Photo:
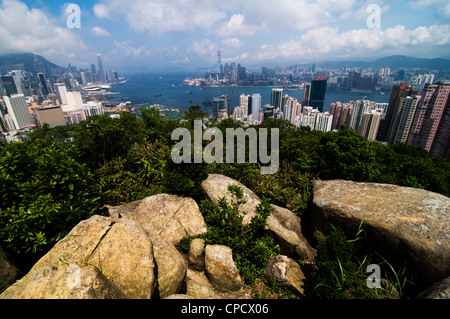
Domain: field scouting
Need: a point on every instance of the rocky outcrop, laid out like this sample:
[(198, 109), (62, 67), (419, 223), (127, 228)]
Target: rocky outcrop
[(400, 223), (168, 216), (286, 271), (220, 268), (7, 270), (284, 225), (64, 282)]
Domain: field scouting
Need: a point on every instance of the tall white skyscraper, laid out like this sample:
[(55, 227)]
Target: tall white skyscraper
[(256, 106), (61, 92), (101, 71), (18, 110)]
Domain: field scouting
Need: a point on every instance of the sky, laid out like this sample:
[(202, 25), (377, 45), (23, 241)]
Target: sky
[(186, 34)]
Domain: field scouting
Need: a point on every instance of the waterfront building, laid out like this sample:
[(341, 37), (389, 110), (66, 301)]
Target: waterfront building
[(318, 92)]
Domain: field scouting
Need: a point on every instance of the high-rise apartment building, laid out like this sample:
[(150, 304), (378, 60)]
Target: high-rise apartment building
[(429, 129), (43, 84), (401, 124), (399, 91), (341, 114), (61, 92), (369, 125), (9, 85)]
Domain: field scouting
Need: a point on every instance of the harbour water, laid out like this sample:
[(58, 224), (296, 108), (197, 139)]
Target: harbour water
[(169, 89)]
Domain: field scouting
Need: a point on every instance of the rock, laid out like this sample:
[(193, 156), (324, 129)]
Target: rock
[(286, 271), (400, 223), (171, 267), (7, 270), (287, 229), (215, 186), (220, 268), (282, 223), (199, 287), (125, 256), (121, 251), (64, 282), (440, 290), (196, 257), (168, 216)]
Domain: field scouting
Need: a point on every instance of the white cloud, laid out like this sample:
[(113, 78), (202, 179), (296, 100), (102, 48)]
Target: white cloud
[(203, 47), (327, 43), (100, 32), (232, 43), (126, 49), (31, 30)]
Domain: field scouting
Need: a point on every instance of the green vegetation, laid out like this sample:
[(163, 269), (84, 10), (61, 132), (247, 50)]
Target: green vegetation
[(63, 175)]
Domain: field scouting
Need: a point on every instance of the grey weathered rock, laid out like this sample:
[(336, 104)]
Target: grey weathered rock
[(64, 282), (440, 290), (171, 267), (286, 271), (282, 223), (199, 287), (179, 296), (220, 268), (196, 257), (401, 223), (168, 216), (7, 270)]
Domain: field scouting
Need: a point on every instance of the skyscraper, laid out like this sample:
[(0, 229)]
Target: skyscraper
[(9, 85), (402, 122), (386, 125), (318, 91), (276, 98), (18, 110), (256, 106), (429, 129), (43, 84), (369, 125), (341, 114), (101, 72), (221, 104), (306, 95)]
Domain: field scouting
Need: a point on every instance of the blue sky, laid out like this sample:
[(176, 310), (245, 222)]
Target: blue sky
[(187, 33)]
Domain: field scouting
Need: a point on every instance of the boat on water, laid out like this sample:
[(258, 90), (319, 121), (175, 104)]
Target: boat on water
[(190, 92), (158, 95)]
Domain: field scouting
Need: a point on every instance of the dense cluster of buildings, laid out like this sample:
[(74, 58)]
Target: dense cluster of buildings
[(411, 117), (30, 99)]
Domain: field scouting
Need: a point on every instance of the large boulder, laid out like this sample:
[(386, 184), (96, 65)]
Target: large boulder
[(283, 224), (220, 268), (287, 272), (168, 216), (401, 223), (64, 282), (125, 255), (440, 290), (121, 252), (171, 267), (196, 257), (199, 287), (7, 270)]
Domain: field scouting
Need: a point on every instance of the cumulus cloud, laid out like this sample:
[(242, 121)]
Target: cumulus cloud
[(100, 32), (328, 43), (31, 30), (232, 43), (203, 47)]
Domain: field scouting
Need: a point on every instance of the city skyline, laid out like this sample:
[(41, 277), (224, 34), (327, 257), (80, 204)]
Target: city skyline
[(187, 34)]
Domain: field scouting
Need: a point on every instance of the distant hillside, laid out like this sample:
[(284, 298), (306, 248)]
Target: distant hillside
[(394, 62), (28, 60)]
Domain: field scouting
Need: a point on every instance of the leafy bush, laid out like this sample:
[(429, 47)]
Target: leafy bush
[(251, 248)]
